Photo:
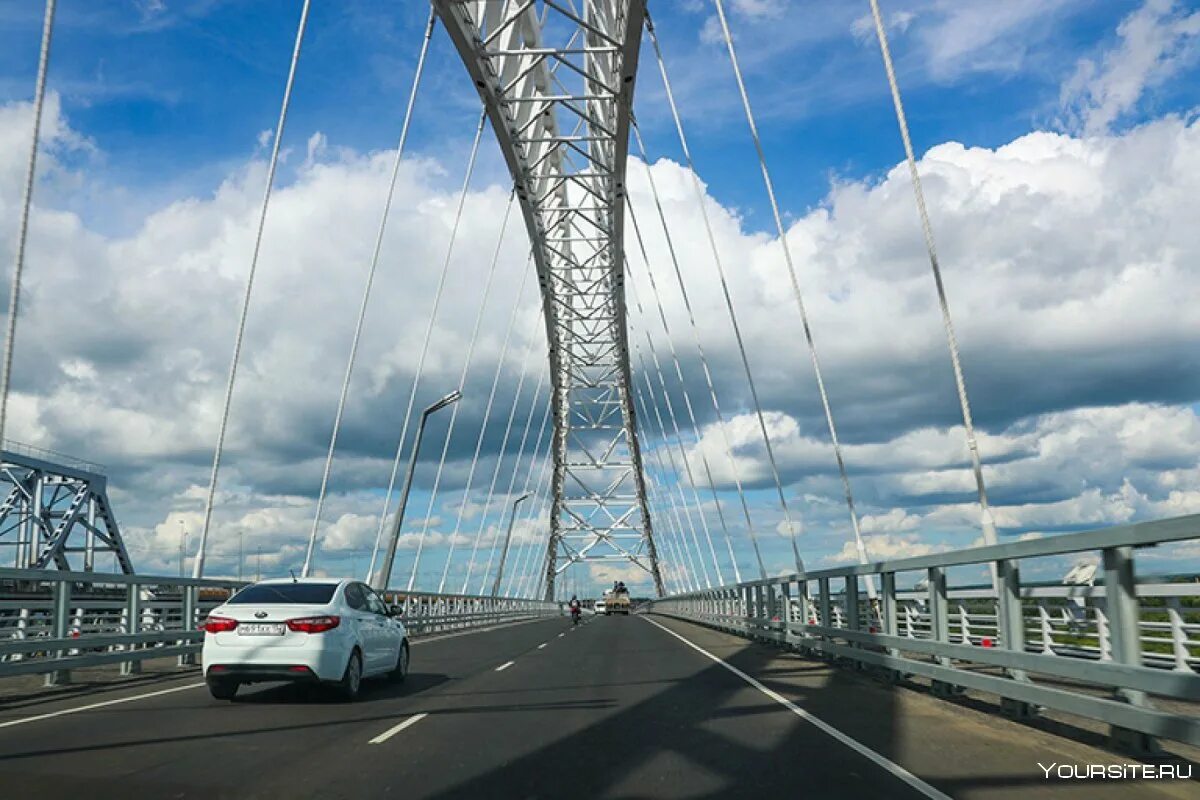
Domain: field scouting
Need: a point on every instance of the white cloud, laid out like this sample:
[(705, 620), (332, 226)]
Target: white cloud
[(1068, 263), (885, 547), (1157, 41)]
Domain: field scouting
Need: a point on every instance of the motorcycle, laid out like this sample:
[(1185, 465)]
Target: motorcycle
[(575, 616)]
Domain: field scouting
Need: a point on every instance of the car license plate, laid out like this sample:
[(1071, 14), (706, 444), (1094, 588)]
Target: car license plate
[(260, 629)]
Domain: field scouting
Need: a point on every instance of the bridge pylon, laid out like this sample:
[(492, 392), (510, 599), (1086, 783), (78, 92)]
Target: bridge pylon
[(557, 87)]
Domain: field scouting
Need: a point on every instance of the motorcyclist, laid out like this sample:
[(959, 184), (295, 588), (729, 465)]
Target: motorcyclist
[(576, 608)]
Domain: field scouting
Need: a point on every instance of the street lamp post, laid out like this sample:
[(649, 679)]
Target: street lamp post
[(507, 538), (182, 546), (385, 572)]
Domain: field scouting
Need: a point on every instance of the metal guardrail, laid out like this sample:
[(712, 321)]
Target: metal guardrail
[(1100, 652), (53, 456), (52, 622)]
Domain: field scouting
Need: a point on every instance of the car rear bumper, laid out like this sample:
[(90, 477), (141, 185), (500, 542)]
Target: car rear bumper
[(254, 673), (304, 663)]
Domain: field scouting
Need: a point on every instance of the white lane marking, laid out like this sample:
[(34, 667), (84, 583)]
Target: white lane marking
[(561, 635), (90, 706), (543, 644), (392, 731), (505, 666), (855, 745)]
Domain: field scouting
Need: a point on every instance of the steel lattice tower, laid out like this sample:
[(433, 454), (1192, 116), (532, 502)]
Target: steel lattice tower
[(557, 85)]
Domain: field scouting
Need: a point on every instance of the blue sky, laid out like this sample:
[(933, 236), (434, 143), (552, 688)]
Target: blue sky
[(175, 92), (161, 105)]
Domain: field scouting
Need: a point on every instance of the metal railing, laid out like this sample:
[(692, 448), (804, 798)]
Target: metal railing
[(52, 456), (52, 622), (1101, 652)]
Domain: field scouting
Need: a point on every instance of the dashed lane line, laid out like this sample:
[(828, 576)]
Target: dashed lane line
[(392, 731), (505, 666)]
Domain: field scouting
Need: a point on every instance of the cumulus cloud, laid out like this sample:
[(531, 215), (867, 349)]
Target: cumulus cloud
[(1156, 42), (1068, 264)]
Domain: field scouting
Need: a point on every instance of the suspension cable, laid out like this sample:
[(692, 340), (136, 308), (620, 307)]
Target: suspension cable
[(542, 498), (14, 296), (674, 426), (366, 297), (671, 410), (522, 555), (198, 567), (662, 467), (487, 414), (808, 334), (676, 542), (533, 404), (737, 331), (687, 400), (652, 402), (512, 412), (462, 383), (437, 300), (695, 330), (537, 442), (986, 521)]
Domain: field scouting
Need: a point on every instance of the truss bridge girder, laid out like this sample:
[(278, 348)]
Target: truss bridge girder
[(556, 80), (53, 511)]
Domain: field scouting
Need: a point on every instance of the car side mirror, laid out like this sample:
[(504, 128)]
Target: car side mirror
[(395, 611)]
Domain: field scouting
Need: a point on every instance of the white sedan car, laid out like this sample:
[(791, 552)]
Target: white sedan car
[(304, 631)]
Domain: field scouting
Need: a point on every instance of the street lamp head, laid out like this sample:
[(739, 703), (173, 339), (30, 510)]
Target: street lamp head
[(522, 497), (453, 397)]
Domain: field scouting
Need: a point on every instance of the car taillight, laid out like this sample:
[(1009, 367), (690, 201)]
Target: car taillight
[(313, 624), (219, 624)]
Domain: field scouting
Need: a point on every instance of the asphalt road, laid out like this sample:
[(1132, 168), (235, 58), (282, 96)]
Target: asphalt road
[(619, 707)]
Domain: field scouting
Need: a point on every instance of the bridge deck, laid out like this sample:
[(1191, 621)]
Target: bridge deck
[(616, 708)]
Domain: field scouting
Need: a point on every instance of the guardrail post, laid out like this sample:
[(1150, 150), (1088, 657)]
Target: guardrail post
[(1120, 598), (59, 626), (785, 613), (802, 610), (852, 621), (939, 627), (889, 620), (187, 620), (824, 604), (1010, 620), (133, 610)]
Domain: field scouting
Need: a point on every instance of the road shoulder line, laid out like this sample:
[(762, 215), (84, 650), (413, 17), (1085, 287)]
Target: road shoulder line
[(855, 745)]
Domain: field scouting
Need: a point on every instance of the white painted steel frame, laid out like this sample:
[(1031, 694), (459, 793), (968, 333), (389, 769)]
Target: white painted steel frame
[(564, 134)]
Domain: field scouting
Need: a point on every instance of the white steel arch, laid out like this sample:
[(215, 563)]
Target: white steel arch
[(557, 84)]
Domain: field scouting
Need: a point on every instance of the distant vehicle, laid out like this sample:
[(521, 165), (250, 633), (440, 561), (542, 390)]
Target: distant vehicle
[(599, 607), (617, 601), (313, 630)]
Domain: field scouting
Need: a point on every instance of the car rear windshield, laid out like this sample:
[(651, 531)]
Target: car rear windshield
[(307, 593)]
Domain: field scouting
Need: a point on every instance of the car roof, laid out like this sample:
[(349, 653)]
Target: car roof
[(305, 580)]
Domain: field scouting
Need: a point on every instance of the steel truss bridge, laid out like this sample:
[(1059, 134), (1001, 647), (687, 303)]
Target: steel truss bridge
[(892, 678)]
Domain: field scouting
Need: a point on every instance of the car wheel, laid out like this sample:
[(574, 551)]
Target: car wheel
[(401, 671), (351, 681), (223, 690)]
